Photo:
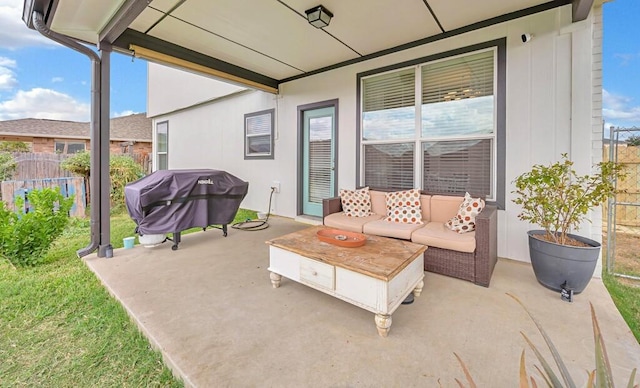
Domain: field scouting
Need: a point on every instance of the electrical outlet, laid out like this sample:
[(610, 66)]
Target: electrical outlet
[(276, 186)]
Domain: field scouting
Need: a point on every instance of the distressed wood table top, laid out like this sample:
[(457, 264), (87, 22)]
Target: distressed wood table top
[(379, 257)]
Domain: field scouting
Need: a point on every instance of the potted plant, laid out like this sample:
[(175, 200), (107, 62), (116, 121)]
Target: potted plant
[(557, 199)]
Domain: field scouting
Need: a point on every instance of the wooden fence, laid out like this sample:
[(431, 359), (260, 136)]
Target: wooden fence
[(70, 186), (32, 165), (629, 156)]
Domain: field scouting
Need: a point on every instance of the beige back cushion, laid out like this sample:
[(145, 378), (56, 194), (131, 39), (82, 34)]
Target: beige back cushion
[(425, 207), (378, 203), (444, 207)]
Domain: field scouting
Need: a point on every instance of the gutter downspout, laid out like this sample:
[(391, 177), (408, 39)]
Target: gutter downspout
[(40, 26)]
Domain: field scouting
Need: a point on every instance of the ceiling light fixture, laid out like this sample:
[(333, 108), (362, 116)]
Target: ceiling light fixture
[(319, 16)]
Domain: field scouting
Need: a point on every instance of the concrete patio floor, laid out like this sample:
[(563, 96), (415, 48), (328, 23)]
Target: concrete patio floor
[(209, 307)]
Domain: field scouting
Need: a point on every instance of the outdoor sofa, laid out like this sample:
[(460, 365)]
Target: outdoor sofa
[(469, 256)]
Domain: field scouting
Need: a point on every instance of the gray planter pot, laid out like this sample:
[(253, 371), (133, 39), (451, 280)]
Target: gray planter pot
[(555, 264)]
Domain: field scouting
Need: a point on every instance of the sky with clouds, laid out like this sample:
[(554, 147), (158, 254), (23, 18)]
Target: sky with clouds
[(41, 79), (621, 64)]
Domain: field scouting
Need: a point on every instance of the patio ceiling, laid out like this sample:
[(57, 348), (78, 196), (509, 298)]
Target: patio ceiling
[(268, 42)]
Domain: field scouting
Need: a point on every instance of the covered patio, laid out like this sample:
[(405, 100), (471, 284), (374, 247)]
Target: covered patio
[(209, 307)]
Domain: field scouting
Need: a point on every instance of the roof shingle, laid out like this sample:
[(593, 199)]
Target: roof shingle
[(135, 127)]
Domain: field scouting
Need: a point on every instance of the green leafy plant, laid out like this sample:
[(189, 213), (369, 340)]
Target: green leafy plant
[(556, 198), (26, 237), (601, 376), (122, 170), (14, 146), (79, 164), (633, 140), (7, 166)]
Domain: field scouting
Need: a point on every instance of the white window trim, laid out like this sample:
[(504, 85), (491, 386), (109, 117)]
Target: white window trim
[(418, 139), (260, 155)]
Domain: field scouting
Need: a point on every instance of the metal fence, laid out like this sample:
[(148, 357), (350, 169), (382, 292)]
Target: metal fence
[(622, 215)]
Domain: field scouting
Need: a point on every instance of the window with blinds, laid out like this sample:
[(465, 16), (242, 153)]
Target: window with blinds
[(258, 135), (389, 166), (389, 106), (456, 167), (457, 96), (162, 145), (448, 136)]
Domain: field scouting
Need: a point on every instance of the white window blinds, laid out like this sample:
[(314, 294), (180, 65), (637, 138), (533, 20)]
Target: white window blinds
[(389, 106)]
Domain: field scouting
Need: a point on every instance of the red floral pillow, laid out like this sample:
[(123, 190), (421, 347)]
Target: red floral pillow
[(404, 207), (465, 220)]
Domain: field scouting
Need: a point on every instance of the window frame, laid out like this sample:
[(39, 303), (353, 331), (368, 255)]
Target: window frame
[(246, 136), (66, 143), (498, 136), (157, 151)]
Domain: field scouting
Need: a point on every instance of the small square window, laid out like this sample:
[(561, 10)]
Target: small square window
[(258, 135)]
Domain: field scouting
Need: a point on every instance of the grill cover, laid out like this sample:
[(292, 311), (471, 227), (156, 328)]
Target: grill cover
[(169, 201)]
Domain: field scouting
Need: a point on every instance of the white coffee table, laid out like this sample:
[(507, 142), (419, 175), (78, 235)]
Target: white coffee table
[(376, 277)]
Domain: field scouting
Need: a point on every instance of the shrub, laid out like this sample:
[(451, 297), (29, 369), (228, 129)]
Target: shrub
[(633, 140), (122, 169), (14, 146), (25, 238), (7, 166), (79, 164), (556, 198)]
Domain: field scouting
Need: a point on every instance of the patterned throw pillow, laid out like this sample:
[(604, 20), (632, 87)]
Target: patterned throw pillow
[(404, 206), (465, 220), (356, 203)]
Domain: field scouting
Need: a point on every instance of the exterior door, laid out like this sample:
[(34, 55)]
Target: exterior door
[(318, 158)]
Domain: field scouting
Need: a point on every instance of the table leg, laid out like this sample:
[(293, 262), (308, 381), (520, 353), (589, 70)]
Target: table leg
[(275, 279), (383, 323), (418, 290)]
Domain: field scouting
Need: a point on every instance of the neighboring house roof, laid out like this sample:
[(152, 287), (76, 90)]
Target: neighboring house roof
[(136, 127)]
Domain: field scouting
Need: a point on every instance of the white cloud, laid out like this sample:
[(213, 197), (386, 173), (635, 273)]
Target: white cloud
[(14, 32), (44, 104), (620, 110), (124, 113), (57, 79), (626, 59), (8, 79)]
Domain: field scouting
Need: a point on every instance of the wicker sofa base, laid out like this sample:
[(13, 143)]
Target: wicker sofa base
[(476, 267), (459, 265)]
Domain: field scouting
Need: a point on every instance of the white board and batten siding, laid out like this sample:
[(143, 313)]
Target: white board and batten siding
[(552, 107)]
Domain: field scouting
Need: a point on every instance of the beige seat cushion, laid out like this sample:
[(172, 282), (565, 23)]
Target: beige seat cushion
[(391, 229), (436, 234), (344, 222)]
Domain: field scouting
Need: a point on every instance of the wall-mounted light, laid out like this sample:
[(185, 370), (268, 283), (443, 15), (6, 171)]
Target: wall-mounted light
[(526, 38), (319, 16)]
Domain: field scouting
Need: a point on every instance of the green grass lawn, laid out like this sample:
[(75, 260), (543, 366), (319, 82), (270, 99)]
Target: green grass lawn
[(59, 326), (626, 296)]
